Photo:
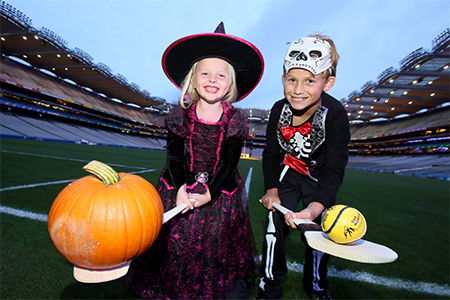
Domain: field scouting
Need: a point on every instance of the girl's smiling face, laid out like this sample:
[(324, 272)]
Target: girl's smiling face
[(303, 90), (212, 79)]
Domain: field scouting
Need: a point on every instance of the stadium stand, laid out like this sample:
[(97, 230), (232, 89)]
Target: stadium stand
[(399, 123), (425, 166), (40, 128)]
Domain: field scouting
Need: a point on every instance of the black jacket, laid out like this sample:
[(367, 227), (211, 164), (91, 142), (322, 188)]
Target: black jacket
[(329, 155)]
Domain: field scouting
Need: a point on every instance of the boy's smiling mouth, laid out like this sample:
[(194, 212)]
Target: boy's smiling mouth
[(298, 99)]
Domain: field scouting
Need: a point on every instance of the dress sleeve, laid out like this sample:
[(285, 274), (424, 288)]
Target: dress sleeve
[(237, 125), (272, 154), (331, 174), (175, 122), (230, 155), (176, 161)]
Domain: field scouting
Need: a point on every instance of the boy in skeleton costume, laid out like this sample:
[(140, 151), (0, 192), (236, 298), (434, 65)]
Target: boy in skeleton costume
[(304, 159)]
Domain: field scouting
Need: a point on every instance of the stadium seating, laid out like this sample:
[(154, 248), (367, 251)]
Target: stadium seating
[(426, 166), (27, 127), (37, 105)]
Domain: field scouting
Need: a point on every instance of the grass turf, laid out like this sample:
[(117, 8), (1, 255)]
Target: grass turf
[(410, 215)]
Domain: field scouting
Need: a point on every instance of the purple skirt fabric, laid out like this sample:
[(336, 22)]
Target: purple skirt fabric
[(206, 253)]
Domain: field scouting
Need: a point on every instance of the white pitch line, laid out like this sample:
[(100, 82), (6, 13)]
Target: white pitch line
[(249, 179), (65, 158), (398, 284), (23, 214), (26, 186), (143, 171), (418, 287)]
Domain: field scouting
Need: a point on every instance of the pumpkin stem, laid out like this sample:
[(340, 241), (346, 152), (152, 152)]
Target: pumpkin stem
[(104, 172)]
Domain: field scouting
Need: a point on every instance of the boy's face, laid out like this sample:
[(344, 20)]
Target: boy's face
[(303, 89)]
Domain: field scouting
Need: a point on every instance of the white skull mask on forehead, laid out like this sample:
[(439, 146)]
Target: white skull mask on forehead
[(309, 53)]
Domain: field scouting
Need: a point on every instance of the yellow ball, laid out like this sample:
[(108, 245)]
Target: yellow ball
[(344, 224)]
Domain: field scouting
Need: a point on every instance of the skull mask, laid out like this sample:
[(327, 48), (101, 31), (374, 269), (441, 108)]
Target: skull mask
[(309, 53)]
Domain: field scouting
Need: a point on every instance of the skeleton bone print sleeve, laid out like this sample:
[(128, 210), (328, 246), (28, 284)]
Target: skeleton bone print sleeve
[(273, 154)]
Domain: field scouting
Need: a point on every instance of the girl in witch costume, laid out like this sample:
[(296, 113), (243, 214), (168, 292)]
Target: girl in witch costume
[(207, 252)]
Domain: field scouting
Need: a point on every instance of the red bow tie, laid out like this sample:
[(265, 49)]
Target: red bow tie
[(289, 131)]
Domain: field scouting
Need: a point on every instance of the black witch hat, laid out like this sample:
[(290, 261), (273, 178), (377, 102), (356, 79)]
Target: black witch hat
[(246, 59)]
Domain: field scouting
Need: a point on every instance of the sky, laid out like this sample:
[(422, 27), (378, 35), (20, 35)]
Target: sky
[(130, 36)]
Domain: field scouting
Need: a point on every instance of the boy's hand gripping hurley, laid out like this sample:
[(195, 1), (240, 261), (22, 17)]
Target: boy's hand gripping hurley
[(360, 251)]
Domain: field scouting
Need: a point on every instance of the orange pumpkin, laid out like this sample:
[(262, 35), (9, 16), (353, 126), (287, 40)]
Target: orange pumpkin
[(102, 221)]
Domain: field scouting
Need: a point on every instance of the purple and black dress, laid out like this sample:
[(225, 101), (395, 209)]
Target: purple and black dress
[(208, 252)]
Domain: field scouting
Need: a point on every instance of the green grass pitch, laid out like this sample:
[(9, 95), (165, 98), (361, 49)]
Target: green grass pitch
[(409, 215)]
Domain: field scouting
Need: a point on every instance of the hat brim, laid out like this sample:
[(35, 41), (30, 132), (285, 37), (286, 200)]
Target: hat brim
[(246, 59)]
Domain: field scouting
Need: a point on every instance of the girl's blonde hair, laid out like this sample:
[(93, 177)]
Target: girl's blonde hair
[(189, 95)]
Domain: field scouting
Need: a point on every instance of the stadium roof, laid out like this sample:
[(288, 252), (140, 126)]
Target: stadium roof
[(422, 81), (45, 50)]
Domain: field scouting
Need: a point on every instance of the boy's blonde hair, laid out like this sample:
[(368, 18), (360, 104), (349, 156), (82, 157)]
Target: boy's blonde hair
[(334, 55), (189, 95)]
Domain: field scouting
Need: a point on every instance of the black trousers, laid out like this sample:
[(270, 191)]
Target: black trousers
[(294, 187)]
